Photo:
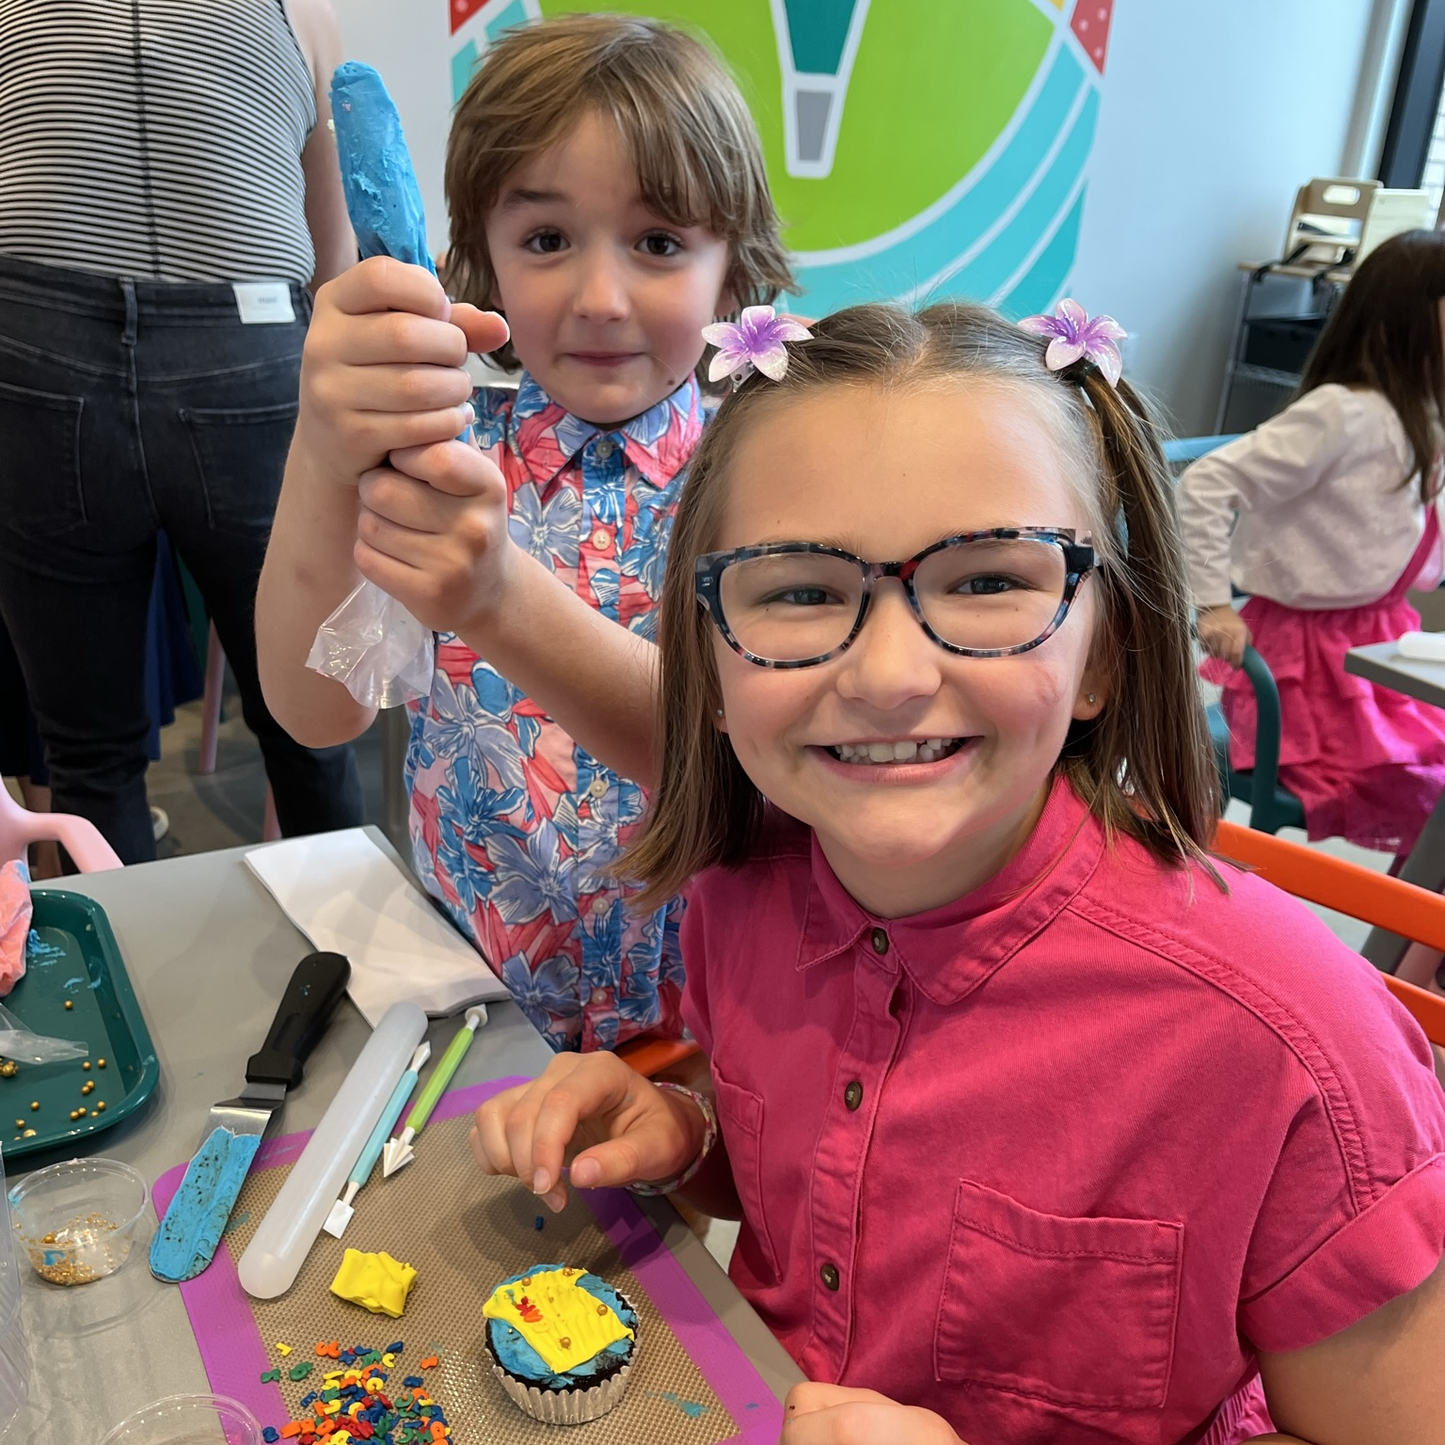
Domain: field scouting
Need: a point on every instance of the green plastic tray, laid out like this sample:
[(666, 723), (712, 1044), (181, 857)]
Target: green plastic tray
[(77, 959)]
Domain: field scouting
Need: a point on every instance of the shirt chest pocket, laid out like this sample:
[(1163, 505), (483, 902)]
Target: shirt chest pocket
[(1078, 1312), (740, 1117)]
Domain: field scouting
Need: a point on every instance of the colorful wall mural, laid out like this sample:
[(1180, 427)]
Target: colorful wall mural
[(916, 148)]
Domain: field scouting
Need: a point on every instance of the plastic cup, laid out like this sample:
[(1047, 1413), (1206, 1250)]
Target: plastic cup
[(188, 1420), (76, 1221), (14, 1356)]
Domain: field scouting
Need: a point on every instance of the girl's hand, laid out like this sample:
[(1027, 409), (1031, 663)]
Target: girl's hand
[(382, 366), (1223, 633), (836, 1415), (613, 1125), (432, 532)]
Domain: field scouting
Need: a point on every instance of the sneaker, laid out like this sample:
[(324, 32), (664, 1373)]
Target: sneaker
[(160, 822)]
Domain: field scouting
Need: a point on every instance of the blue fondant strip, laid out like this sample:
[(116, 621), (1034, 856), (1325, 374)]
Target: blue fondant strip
[(187, 1237)]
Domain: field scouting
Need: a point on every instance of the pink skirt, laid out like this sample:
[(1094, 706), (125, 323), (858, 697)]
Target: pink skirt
[(1366, 762)]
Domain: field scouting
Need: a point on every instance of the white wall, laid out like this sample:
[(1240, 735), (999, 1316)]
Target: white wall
[(1212, 116)]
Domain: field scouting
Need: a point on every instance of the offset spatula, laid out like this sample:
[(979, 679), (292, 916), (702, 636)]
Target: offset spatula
[(187, 1238)]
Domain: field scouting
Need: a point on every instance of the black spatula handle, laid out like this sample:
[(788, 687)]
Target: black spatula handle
[(306, 1007)]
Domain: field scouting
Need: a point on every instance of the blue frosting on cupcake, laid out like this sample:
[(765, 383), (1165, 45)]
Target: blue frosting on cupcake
[(518, 1358)]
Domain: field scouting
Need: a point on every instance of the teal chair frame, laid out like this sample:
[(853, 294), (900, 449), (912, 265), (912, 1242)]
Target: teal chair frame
[(1271, 807)]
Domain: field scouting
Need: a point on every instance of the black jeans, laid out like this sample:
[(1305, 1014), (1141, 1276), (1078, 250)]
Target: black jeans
[(127, 406)]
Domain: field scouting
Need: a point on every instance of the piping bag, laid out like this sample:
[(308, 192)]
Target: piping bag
[(371, 644), (285, 1236)]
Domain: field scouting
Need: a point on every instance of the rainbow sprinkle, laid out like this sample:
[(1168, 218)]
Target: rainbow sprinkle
[(353, 1405)]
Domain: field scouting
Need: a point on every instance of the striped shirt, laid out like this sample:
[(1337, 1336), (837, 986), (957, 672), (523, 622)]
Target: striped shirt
[(155, 138)]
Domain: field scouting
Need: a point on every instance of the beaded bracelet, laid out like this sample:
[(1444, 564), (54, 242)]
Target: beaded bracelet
[(709, 1138)]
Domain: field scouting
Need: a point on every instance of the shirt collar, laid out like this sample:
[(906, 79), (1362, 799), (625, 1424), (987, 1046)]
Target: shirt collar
[(949, 951), (658, 443)]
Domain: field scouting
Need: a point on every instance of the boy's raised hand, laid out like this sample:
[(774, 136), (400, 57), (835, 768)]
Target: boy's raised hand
[(610, 1121), (382, 367), (837, 1415)]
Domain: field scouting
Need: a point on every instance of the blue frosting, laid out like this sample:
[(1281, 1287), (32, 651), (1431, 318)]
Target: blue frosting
[(518, 1358), (383, 199), (188, 1235)]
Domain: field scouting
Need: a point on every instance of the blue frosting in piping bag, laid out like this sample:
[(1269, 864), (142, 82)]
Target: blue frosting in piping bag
[(382, 196)]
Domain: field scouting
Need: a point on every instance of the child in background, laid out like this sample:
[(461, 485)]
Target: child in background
[(1040, 1123), (607, 196), (1338, 517)]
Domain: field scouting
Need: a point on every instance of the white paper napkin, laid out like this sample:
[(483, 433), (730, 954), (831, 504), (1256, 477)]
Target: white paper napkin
[(348, 897)]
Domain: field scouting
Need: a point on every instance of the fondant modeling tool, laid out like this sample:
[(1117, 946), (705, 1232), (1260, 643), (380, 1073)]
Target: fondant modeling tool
[(187, 1237), (342, 1211), (398, 1152), (285, 1236)]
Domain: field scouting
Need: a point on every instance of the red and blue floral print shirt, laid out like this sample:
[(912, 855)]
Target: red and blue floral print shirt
[(513, 825)]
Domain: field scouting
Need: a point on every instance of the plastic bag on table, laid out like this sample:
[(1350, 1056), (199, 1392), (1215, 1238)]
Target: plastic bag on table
[(25, 1047), (375, 648)]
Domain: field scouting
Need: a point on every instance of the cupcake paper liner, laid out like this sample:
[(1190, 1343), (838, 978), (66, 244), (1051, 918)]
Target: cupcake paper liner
[(566, 1407)]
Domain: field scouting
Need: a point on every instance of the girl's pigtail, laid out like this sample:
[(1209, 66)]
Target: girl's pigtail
[(1146, 765)]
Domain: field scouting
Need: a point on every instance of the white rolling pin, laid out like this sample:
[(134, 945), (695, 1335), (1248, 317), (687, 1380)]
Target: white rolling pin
[(1423, 646), (280, 1246)]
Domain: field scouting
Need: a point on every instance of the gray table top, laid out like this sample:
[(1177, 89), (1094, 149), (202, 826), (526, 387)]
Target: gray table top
[(1381, 662), (209, 953)]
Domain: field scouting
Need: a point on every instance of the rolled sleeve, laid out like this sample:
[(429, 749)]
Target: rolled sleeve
[(1380, 1254)]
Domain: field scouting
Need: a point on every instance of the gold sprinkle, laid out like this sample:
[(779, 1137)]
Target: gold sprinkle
[(100, 1106), (9, 1069), (100, 1063), (74, 1115), (87, 1086), (86, 1066), (69, 1003), (34, 1104), (565, 1342), (28, 1134), (20, 1123), (601, 1309)]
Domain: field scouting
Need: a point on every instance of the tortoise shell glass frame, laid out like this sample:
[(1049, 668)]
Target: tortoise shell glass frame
[(1079, 560)]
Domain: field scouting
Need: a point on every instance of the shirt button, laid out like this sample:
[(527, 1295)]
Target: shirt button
[(601, 539), (853, 1095), (597, 788), (601, 904), (599, 995), (829, 1274), (605, 448), (880, 941)]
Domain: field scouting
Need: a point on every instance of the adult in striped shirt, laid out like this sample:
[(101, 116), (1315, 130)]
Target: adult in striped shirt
[(169, 197)]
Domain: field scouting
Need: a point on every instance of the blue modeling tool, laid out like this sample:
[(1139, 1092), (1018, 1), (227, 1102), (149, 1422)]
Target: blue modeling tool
[(342, 1211)]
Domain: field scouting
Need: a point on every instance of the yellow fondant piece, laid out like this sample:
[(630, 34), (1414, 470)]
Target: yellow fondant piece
[(376, 1282), (567, 1314)]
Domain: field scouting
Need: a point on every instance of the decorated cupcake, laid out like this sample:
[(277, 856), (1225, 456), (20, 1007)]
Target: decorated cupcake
[(562, 1342)]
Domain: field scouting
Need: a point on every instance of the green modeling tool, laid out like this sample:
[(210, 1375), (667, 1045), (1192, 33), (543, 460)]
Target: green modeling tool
[(398, 1152)]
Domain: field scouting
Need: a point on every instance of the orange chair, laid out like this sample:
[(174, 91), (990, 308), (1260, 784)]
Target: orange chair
[(652, 1056), (1373, 898)]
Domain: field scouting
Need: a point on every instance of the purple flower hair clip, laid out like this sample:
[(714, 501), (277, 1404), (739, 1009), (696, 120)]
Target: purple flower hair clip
[(753, 342), (1075, 336)]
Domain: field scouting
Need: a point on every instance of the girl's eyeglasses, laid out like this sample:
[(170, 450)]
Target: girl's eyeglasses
[(979, 594)]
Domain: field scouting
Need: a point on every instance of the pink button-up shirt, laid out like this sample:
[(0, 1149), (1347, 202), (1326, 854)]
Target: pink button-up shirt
[(1054, 1160)]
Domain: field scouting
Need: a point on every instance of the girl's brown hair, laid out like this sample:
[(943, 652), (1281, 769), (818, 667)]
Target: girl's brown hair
[(1385, 335), (686, 127), (1143, 766)]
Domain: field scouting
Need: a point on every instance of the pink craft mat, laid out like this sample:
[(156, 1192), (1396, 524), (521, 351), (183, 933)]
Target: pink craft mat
[(235, 1355)]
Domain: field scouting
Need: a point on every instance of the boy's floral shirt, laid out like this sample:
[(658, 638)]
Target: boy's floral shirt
[(513, 826)]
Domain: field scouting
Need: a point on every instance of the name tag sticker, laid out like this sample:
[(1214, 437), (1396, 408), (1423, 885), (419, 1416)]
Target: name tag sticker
[(261, 301)]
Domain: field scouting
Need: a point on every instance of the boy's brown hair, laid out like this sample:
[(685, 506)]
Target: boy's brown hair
[(685, 124), (1144, 766)]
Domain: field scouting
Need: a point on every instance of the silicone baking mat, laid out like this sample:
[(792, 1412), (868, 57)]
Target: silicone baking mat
[(464, 1232)]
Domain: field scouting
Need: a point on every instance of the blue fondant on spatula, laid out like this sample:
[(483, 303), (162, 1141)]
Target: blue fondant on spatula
[(187, 1237)]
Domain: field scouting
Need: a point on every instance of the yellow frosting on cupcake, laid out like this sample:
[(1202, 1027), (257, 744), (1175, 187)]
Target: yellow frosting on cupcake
[(564, 1324)]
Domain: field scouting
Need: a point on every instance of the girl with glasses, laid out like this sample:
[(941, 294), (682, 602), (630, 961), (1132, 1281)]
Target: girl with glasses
[(1042, 1125)]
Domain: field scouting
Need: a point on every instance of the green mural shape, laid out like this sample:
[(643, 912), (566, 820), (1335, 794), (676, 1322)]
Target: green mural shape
[(934, 84)]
